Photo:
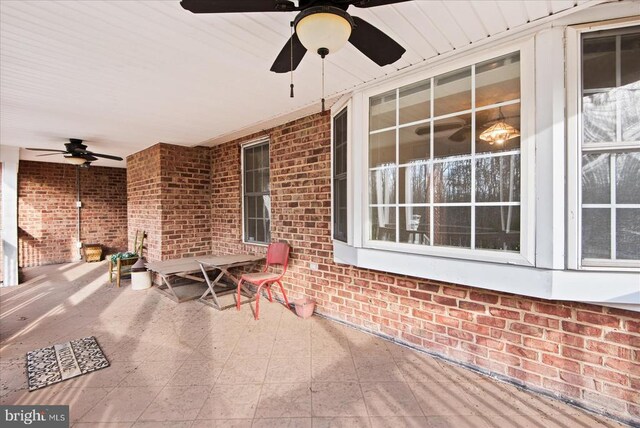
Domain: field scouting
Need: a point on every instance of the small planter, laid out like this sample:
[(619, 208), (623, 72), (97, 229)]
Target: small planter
[(304, 307)]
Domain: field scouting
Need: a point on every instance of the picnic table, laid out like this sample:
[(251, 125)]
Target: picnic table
[(203, 288)]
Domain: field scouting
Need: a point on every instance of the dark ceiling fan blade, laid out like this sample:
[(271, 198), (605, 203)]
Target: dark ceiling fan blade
[(230, 6), (282, 64), (100, 155), (375, 44), (374, 3), (47, 150), (51, 154)]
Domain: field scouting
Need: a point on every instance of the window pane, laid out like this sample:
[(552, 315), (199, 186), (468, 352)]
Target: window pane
[(249, 156), (599, 62), (452, 136), (340, 209), (498, 179), (414, 184), (628, 178), (382, 186), (452, 181), (340, 143), (498, 80), (599, 117), (630, 58), (509, 115), (596, 179), (414, 225), (628, 234), (596, 233), (248, 182), (452, 226), (629, 99), (498, 228), (415, 102), (414, 143), (453, 92), (382, 149), (383, 223), (382, 111)]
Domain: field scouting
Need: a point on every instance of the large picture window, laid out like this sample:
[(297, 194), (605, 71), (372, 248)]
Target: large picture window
[(610, 136), (256, 193), (444, 160)]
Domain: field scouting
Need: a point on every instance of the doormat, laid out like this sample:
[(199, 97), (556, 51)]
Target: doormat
[(60, 362)]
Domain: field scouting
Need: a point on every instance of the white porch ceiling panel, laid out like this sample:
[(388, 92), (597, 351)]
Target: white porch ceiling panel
[(124, 75)]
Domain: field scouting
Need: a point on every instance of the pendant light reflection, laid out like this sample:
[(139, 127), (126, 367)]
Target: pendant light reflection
[(499, 132)]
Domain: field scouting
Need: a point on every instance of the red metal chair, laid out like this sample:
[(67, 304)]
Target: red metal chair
[(277, 254)]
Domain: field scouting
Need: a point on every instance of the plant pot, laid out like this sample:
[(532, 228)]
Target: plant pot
[(304, 307)]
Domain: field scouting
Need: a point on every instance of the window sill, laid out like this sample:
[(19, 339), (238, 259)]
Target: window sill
[(582, 286)]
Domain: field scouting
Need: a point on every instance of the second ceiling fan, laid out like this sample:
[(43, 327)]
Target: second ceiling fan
[(322, 26)]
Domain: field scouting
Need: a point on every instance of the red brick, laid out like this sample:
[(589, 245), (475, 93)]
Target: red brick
[(491, 321), (562, 387), (628, 367), (447, 301), (561, 363), (580, 355), (483, 297), (521, 352), (623, 339), (454, 291), (541, 345), (539, 369), (606, 375), (489, 343), (578, 380), (529, 330), (47, 211), (470, 306), (504, 313), (632, 326), (582, 329), (555, 310), (526, 377), (598, 319), (542, 321), (608, 349)]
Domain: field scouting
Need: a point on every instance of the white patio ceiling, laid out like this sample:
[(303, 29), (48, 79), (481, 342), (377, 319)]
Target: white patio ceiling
[(127, 74)]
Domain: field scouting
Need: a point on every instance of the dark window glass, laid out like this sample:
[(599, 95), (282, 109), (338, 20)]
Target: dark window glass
[(257, 197), (340, 176)]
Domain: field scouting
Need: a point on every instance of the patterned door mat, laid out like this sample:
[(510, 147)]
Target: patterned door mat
[(60, 362)]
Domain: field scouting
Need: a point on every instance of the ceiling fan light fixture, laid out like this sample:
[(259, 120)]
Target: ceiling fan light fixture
[(75, 160), (323, 28), (499, 133)]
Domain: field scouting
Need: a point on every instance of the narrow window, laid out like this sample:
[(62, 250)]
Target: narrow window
[(340, 176), (610, 135), (256, 193)]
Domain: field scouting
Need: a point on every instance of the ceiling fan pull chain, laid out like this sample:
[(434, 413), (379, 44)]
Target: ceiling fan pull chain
[(291, 57)]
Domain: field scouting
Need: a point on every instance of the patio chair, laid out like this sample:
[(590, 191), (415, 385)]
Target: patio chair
[(120, 263), (277, 254)]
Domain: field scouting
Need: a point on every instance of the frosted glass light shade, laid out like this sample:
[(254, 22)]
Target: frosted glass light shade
[(75, 160), (323, 30)]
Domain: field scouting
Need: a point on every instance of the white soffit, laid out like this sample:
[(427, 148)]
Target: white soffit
[(124, 75)]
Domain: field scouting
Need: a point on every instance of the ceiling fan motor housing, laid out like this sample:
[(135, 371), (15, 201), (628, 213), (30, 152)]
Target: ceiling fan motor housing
[(323, 29)]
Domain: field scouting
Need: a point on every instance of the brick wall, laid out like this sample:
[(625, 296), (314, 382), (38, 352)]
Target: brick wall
[(144, 200), (170, 199), (47, 213), (585, 353)]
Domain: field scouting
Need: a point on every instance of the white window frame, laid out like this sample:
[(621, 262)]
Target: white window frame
[(343, 103), (574, 147), (244, 146), (526, 256)]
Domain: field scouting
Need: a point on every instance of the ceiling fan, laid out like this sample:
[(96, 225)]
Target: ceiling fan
[(76, 153), (322, 26)]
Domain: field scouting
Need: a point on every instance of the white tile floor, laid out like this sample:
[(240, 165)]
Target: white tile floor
[(189, 365)]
